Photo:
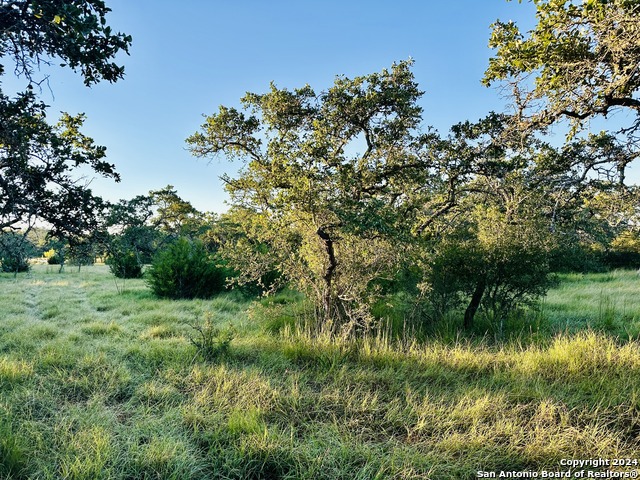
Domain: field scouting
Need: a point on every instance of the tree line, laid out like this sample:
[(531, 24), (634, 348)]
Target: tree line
[(345, 193)]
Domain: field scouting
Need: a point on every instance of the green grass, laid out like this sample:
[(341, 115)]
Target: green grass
[(97, 382), (607, 302)]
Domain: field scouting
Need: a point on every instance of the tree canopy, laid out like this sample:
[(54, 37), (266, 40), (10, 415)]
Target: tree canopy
[(327, 175), (581, 60), (38, 160), (72, 31), (341, 189), (174, 215)]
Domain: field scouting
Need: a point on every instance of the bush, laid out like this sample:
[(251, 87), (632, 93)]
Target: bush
[(124, 264), (15, 251), (186, 270), (52, 256), (270, 282), (211, 342), (624, 251), (14, 263), (570, 256), (497, 263)]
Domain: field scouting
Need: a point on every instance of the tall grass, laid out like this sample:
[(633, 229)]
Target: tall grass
[(96, 383)]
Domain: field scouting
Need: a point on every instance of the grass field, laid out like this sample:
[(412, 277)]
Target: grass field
[(99, 380)]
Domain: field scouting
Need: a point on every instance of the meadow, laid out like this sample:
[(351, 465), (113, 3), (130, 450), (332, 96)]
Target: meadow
[(100, 380)]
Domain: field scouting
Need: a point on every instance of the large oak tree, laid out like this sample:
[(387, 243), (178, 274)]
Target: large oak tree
[(328, 179)]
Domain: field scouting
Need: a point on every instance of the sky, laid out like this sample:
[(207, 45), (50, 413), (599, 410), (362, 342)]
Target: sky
[(192, 56)]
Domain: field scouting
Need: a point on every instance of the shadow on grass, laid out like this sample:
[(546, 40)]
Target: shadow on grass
[(470, 407)]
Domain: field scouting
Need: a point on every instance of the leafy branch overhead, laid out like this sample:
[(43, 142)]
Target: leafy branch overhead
[(39, 162), (582, 60), (35, 156), (74, 31)]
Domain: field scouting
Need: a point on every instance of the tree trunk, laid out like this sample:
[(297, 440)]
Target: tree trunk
[(476, 298), (328, 273)]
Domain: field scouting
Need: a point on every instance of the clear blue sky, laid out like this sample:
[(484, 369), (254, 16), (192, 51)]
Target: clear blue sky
[(191, 56)]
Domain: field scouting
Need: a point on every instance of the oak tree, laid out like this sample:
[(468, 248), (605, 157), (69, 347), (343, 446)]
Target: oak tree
[(507, 203), (175, 216), (38, 161), (327, 179), (580, 61)]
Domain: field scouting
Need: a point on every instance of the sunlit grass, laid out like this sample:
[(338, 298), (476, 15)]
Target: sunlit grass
[(608, 302), (99, 381), (13, 371)]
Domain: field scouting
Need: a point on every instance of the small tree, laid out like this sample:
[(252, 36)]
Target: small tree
[(130, 250), (82, 251), (174, 216), (496, 260), (509, 199), (15, 250), (123, 260), (130, 241)]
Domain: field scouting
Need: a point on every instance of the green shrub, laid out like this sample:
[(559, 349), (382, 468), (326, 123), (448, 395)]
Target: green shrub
[(495, 265), (186, 270), (14, 263), (624, 251), (124, 264), (621, 259), (15, 251), (52, 256), (211, 342), (271, 282), (571, 256)]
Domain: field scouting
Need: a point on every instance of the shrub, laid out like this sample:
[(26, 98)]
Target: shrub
[(15, 251), (624, 251), (186, 270), (125, 260), (575, 256), (211, 342), (124, 264), (14, 263), (497, 263), (269, 282), (53, 257)]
